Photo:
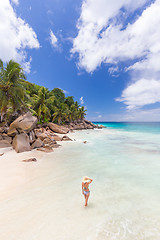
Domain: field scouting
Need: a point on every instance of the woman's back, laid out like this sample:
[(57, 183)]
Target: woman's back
[(85, 188), (85, 185)]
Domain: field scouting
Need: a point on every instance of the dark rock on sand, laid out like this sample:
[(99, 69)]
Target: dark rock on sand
[(66, 138), (40, 133), (12, 132), (56, 145), (7, 138), (30, 160), (57, 138), (45, 149), (37, 144), (89, 122), (32, 137), (49, 142), (58, 129), (23, 124), (90, 127), (3, 130), (42, 136), (21, 143), (4, 144), (80, 125)]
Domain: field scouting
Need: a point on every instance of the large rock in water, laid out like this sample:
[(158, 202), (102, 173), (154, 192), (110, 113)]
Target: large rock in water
[(100, 126), (21, 143), (23, 124), (58, 129)]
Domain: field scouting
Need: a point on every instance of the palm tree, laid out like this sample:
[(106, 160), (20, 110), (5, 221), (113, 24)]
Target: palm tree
[(81, 113), (42, 104), (12, 91), (61, 113), (69, 101), (76, 104), (72, 113), (59, 95)]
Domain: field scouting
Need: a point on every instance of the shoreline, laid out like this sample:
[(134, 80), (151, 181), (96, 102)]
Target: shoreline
[(21, 140), (14, 173), (47, 195)]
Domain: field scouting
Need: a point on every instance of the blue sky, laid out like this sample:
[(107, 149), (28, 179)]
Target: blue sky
[(104, 53)]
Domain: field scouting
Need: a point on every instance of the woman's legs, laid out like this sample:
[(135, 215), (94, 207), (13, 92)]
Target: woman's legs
[(86, 199)]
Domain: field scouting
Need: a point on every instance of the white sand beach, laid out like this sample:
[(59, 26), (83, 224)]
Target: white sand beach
[(42, 200), (15, 173)]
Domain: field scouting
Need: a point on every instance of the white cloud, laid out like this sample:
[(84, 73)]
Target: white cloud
[(26, 65), (53, 39), (81, 100), (141, 93), (140, 115), (113, 70), (15, 1), (149, 64), (101, 38), (105, 36), (65, 91), (49, 12), (99, 116), (16, 35)]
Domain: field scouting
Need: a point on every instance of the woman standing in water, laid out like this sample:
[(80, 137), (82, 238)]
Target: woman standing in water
[(85, 190)]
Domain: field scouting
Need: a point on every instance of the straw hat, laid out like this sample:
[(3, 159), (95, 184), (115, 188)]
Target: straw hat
[(85, 179)]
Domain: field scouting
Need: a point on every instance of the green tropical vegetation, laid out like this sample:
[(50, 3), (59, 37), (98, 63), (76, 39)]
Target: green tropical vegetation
[(18, 96)]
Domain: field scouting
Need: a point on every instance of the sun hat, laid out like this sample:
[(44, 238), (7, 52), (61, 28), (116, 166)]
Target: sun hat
[(85, 179)]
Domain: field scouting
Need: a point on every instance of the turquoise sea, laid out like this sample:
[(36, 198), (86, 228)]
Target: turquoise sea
[(124, 162), (152, 127)]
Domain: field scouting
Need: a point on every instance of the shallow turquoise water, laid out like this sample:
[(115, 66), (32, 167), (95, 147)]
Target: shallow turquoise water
[(124, 163), (152, 127)]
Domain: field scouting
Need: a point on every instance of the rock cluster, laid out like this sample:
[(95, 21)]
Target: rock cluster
[(24, 134), (82, 124)]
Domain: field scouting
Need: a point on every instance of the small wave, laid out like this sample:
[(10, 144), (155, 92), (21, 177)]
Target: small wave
[(125, 229)]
